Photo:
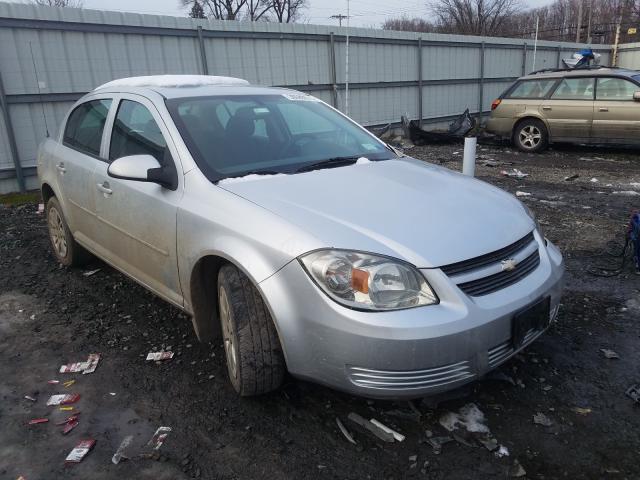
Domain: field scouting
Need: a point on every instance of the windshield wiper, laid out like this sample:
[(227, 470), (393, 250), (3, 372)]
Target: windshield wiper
[(329, 162)]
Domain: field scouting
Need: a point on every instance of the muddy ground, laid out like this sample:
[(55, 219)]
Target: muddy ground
[(50, 315)]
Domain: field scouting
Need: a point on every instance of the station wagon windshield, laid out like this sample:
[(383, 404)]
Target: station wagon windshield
[(235, 135)]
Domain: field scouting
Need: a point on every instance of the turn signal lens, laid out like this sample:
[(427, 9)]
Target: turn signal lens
[(360, 280), (495, 103)]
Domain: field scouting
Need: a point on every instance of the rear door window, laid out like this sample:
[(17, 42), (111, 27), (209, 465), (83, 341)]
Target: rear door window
[(85, 126), (574, 89), (537, 88), (135, 132), (615, 89)]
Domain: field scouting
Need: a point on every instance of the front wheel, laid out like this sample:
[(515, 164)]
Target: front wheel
[(253, 352), (531, 136)]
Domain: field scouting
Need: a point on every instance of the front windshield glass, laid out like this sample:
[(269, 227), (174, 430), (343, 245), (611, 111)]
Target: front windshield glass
[(232, 135)]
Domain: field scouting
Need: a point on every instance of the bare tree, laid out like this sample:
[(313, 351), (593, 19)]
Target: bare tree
[(197, 11), (473, 17), (258, 9), (287, 11), (218, 9), (409, 25), (283, 11), (59, 3)]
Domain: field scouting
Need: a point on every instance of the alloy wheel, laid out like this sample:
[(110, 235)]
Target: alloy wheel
[(57, 232), (530, 137)]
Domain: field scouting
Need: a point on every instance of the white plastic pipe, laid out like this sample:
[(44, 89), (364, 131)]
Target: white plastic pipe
[(469, 158)]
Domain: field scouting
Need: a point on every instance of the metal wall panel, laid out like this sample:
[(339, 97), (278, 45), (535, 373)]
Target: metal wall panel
[(50, 56), (629, 56)]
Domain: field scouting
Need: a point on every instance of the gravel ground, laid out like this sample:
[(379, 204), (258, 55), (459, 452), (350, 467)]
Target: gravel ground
[(50, 315)]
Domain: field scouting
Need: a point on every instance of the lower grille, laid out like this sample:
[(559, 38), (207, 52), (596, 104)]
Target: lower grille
[(500, 353), (498, 281), (413, 379)]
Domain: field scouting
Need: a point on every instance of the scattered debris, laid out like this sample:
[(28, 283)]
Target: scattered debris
[(69, 419), (570, 178), (91, 272), (516, 470), (397, 436), (460, 127), (29, 397), (633, 392), (609, 353), (628, 193), (80, 451), (344, 431), (63, 399), (36, 421), (515, 173), (158, 356), (53, 382), (500, 376), (88, 366), (68, 383), (594, 180), (469, 416), (488, 442), (581, 410), (70, 426), (522, 194), (377, 431), (437, 443), (40, 208), (541, 419), (121, 451), (66, 409), (159, 437), (502, 452)]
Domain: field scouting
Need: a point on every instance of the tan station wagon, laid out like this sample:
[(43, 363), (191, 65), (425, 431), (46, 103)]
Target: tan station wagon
[(597, 106)]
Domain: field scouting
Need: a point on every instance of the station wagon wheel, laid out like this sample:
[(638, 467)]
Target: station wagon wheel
[(530, 135), (252, 348), (65, 248)]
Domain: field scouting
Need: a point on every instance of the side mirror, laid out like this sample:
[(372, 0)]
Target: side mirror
[(143, 168), (636, 96)]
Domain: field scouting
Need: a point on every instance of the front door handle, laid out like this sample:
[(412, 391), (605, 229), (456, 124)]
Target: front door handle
[(547, 108), (104, 187), (60, 167), (603, 109)]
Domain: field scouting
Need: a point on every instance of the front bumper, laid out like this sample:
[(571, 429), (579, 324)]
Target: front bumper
[(404, 353)]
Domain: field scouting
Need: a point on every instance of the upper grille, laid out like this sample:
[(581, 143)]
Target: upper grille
[(497, 281), (412, 379), (487, 259)]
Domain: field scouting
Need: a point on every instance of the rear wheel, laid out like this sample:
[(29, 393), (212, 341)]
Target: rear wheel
[(254, 356), (65, 248), (531, 135)]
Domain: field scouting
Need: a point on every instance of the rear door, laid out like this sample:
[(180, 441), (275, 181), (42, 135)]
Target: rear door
[(137, 220), (569, 109), (616, 116), (76, 158)]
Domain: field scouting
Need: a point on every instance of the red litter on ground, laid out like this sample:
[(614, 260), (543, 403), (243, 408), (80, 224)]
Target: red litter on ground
[(80, 451), (157, 356), (88, 366), (36, 421), (70, 426), (53, 382), (63, 399)]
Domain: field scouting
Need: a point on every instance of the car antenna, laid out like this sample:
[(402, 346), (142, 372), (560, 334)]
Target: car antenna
[(35, 70)]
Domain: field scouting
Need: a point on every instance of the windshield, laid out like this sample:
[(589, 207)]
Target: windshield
[(232, 135)]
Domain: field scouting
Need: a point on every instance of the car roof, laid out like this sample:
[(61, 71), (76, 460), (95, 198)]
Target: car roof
[(581, 72), (182, 86)]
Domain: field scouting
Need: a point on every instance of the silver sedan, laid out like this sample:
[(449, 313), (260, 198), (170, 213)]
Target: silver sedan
[(298, 238)]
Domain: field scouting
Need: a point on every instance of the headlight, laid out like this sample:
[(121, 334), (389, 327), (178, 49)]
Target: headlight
[(368, 282)]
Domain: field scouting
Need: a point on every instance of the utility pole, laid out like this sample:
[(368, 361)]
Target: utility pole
[(339, 17), (579, 23), (589, 22)]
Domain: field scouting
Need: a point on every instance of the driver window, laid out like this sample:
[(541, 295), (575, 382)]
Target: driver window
[(135, 132)]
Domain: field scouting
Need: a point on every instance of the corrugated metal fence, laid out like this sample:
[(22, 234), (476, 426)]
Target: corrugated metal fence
[(629, 56), (49, 57)]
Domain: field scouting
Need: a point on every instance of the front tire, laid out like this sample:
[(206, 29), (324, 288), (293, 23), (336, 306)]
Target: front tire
[(531, 136), (254, 356), (66, 250)]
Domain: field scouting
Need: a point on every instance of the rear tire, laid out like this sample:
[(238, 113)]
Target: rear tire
[(530, 135), (66, 250), (254, 355)]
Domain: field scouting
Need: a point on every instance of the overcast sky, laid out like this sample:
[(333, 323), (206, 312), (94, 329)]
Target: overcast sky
[(364, 13)]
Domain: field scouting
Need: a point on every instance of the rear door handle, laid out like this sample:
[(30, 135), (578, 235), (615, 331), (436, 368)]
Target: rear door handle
[(60, 167), (603, 109), (547, 108), (104, 188)]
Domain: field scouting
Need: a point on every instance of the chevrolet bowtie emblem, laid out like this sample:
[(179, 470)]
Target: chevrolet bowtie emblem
[(509, 264)]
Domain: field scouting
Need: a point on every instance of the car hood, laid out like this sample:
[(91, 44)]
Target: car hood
[(427, 215)]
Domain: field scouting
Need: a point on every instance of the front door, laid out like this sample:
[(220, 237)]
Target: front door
[(616, 116), (569, 109), (75, 160), (138, 219)]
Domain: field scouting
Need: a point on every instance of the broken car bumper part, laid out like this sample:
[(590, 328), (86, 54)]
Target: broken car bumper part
[(415, 351)]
